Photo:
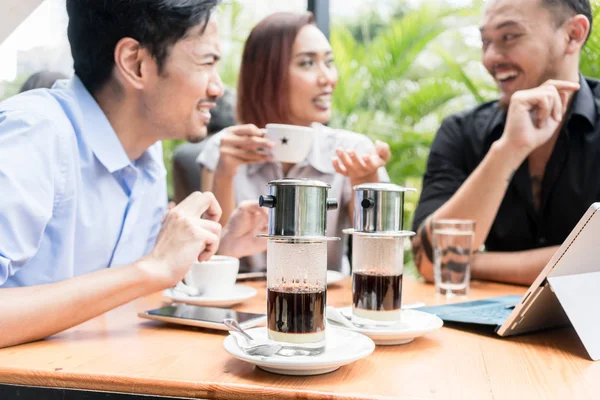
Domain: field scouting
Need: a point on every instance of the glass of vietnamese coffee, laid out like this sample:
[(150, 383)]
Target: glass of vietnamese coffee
[(377, 266), (297, 293)]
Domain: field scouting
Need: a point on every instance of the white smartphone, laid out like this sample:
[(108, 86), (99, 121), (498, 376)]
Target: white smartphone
[(203, 317)]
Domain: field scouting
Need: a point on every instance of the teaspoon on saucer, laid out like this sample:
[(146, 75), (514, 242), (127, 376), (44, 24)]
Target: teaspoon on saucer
[(254, 349), (335, 315)]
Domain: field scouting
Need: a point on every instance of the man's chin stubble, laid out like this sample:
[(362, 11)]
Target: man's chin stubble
[(504, 102)]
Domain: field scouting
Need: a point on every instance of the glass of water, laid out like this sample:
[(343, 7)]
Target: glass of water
[(452, 249)]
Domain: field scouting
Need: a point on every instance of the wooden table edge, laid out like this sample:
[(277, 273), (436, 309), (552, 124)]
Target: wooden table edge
[(165, 387)]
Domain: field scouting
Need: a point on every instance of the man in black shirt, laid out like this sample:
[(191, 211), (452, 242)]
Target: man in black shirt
[(523, 167)]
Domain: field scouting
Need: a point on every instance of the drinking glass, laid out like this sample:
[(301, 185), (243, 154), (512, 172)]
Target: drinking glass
[(377, 266), (452, 250), (297, 293)]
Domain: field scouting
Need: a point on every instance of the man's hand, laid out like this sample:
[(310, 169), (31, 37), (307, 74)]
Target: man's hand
[(185, 237), (534, 115), (362, 169), (243, 144), (239, 235)]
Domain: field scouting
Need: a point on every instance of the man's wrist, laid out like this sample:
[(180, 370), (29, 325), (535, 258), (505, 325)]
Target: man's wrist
[(151, 274), (513, 156)]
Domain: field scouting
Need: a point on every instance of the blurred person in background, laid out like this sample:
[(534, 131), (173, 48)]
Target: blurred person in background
[(42, 79)]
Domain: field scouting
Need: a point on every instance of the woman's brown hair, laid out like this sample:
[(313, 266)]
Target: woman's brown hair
[(262, 87)]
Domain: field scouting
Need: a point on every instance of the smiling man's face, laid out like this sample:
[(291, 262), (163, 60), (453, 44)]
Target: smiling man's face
[(522, 45), (178, 102)]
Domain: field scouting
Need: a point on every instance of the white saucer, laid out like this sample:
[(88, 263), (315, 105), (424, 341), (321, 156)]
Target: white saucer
[(237, 295), (413, 324), (334, 276), (343, 347)]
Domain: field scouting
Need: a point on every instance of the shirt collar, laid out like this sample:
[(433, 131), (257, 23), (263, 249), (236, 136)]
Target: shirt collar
[(498, 121), (583, 103), (104, 141), (151, 162), (97, 130), (319, 156)]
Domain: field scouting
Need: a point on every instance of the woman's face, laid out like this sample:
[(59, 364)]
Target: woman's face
[(312, 78)]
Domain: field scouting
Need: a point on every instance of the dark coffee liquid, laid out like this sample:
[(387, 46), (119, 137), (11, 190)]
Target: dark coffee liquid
[(376, 292), (295, 310)]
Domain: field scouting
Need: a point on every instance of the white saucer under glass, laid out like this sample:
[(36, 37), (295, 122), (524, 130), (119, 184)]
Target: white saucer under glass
[(238, 294), (342, 347), (412, 324)]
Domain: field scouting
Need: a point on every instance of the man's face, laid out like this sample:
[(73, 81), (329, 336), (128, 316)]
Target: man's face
[(178, 102), (521, 45)]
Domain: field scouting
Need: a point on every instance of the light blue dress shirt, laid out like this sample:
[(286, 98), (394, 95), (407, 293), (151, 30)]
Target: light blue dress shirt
[(71, 201)]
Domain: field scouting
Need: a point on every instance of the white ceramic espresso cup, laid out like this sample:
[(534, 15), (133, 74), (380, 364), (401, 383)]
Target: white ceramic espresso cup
[(215, 277), (292, 143)]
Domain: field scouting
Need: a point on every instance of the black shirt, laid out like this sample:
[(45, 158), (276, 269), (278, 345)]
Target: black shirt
[(571, 181)]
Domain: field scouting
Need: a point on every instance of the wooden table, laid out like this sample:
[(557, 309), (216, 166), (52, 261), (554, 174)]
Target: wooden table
[(119, 352)]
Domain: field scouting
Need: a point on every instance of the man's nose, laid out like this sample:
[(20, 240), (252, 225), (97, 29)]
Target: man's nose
[(216, 87), (493, 55)]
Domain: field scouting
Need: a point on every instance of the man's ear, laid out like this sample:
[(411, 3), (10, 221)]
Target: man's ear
[(577, 30), (131, 61)]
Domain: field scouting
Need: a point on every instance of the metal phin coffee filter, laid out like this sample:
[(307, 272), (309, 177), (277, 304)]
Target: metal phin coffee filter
[(379, 207), (298, 208)]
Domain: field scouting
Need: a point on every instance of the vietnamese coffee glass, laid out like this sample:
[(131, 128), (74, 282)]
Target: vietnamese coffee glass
[(297, 263), (297, 293), (378, 253), (377, 267), (452, 249)]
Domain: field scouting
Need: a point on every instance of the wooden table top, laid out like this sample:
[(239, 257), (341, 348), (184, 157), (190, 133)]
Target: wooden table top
[(122, 353)]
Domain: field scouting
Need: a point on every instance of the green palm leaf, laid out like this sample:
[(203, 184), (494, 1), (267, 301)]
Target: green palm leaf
[(395, 51), (349, 56), (456, 71), (589, 63)]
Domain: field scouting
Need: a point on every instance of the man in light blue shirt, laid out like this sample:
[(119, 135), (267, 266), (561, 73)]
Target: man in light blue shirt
[(73, 202), (82, 181)]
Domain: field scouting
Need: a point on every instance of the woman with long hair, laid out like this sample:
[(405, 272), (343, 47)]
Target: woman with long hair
[(288, 76)]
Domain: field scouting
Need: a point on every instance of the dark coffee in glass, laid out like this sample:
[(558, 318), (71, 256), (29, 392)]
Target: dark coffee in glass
[(375, 292), (295, 314)]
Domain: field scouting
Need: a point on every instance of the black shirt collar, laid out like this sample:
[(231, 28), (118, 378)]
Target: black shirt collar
[(584, 104)]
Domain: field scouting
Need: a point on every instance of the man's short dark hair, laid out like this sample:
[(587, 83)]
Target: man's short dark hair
[(96, 26), (564, 9)]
